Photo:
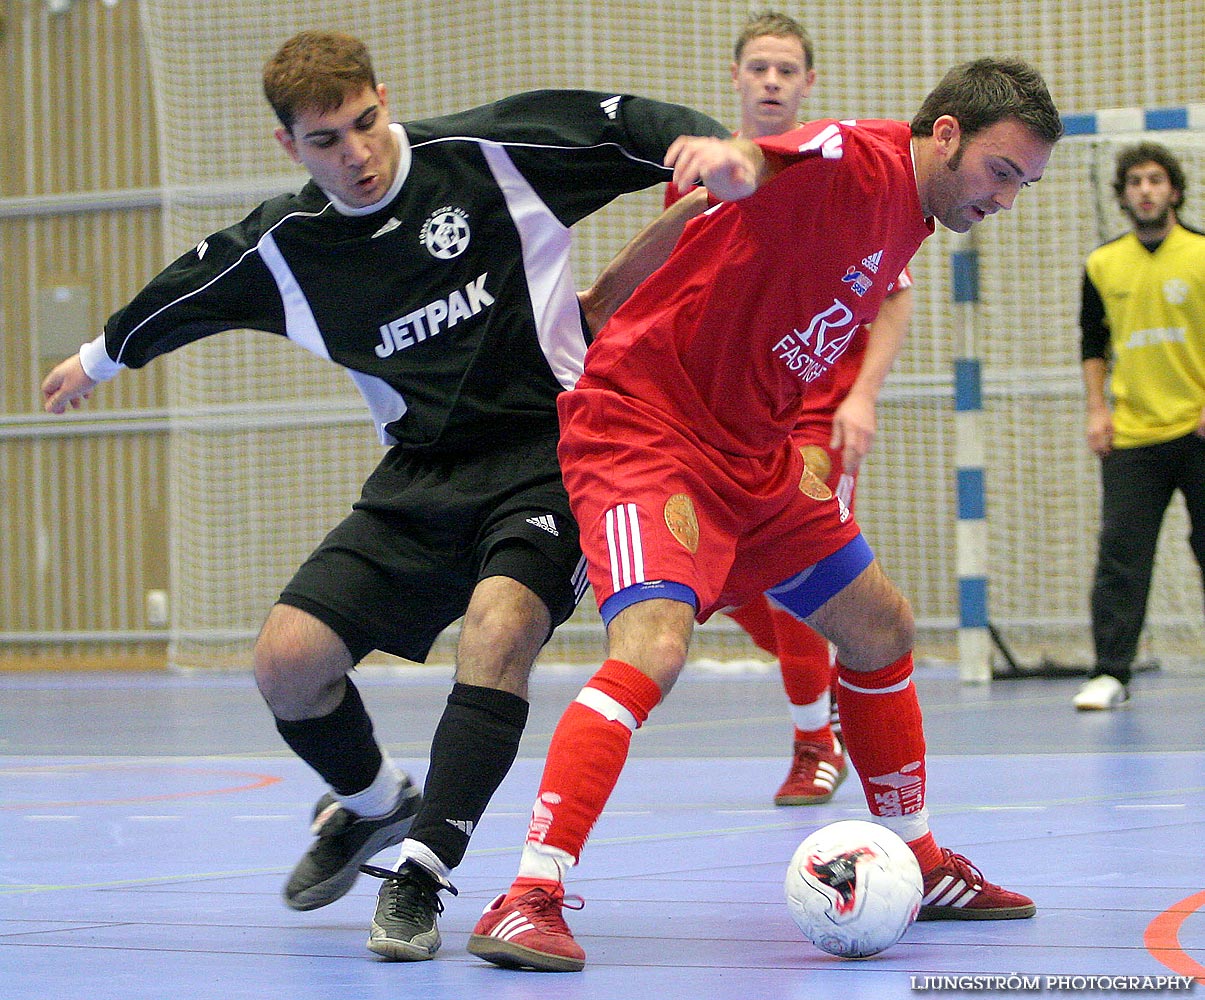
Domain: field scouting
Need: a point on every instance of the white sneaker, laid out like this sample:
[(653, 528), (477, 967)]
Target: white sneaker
[(1100, 694)]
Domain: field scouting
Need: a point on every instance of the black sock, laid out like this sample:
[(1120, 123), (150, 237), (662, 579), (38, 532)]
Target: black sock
[(339, 746), (474, 746)]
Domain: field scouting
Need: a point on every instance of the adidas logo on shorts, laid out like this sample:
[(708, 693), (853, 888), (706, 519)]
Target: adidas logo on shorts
[(545, 522)]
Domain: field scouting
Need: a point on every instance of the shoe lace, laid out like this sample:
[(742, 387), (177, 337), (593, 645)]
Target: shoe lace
[(543, 909), (967, 871), (412, 894), (330, 831)]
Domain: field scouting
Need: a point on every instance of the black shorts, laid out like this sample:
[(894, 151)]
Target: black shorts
[(402, 566)]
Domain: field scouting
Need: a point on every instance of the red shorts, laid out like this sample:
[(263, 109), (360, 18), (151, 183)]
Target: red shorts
[(654, 503)]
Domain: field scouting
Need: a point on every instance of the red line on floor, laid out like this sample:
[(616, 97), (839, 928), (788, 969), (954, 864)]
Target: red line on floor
[(1162, 937), (259, 781)]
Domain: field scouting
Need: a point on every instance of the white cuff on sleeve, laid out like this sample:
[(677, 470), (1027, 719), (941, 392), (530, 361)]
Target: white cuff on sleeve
[(98, 366)]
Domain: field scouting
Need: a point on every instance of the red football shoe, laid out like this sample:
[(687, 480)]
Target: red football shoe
[(957, 890), (816, 771), (529, 933)]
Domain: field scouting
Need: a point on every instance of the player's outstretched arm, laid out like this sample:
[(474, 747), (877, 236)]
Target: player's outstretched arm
[(729, 168), (66, 385), (646, 252)]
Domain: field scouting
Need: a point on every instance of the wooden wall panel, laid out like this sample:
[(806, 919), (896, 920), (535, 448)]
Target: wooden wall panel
[(82, 499)]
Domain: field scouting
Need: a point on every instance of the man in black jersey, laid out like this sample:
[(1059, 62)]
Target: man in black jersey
[(431, 260)]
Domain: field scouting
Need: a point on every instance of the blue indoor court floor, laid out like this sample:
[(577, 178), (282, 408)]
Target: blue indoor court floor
[(147, 823)]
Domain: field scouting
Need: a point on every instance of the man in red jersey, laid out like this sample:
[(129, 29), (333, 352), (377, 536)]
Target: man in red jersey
[(773, 71), (689, 494)]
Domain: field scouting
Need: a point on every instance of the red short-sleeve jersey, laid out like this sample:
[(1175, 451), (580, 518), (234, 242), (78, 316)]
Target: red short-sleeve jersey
[(762, 297), (676, 443)]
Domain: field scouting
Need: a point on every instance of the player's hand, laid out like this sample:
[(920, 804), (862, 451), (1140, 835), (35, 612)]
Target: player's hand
[(1100, 432), (854, 428), (66, 385), (730, 169)]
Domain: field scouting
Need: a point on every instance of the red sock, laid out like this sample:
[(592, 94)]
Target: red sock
[(803, 653), (928, 854), (587, 754), (755, 619), (884, 736), (523, 885)]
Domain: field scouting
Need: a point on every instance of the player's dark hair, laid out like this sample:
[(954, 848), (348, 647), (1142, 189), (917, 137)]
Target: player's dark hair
[(983, 92), (1148, 152), (316, 71), (771, 22)]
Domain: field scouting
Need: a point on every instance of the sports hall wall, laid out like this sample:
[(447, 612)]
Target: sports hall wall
[(132, 130)]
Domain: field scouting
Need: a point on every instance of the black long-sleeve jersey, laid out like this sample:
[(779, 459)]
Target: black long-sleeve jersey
[(452, 305)]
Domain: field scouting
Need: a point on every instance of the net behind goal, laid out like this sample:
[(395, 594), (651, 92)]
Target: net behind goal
[(1042, 482), (270, 446)]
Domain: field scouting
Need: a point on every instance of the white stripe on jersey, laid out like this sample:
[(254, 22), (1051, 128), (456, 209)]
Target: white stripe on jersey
[(545, 242), (196, 291), (385, 403), (624, 549)]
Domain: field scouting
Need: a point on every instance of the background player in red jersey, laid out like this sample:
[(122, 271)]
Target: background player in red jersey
[(773, 70), (690, 495)]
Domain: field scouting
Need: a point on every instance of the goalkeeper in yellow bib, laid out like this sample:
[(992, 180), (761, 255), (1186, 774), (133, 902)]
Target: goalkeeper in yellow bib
[(1143, 335)]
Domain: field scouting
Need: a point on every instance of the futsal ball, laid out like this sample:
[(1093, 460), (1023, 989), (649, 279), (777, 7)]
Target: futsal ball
[(853, 888)]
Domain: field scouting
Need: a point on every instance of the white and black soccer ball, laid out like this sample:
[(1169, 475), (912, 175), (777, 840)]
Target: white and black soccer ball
[(853, 888)]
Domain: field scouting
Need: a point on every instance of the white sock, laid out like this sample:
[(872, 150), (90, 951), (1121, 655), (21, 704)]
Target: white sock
[(421, 854), (809, 718), (544, 862), (378, 798), (908, 828)]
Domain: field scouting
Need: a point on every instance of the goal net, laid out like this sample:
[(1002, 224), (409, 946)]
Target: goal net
[(1042, 482), (269, 446)]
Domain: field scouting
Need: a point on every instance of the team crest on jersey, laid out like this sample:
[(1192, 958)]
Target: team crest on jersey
[(857, 281), (445, 234), (1175, 291), (682, 522)]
